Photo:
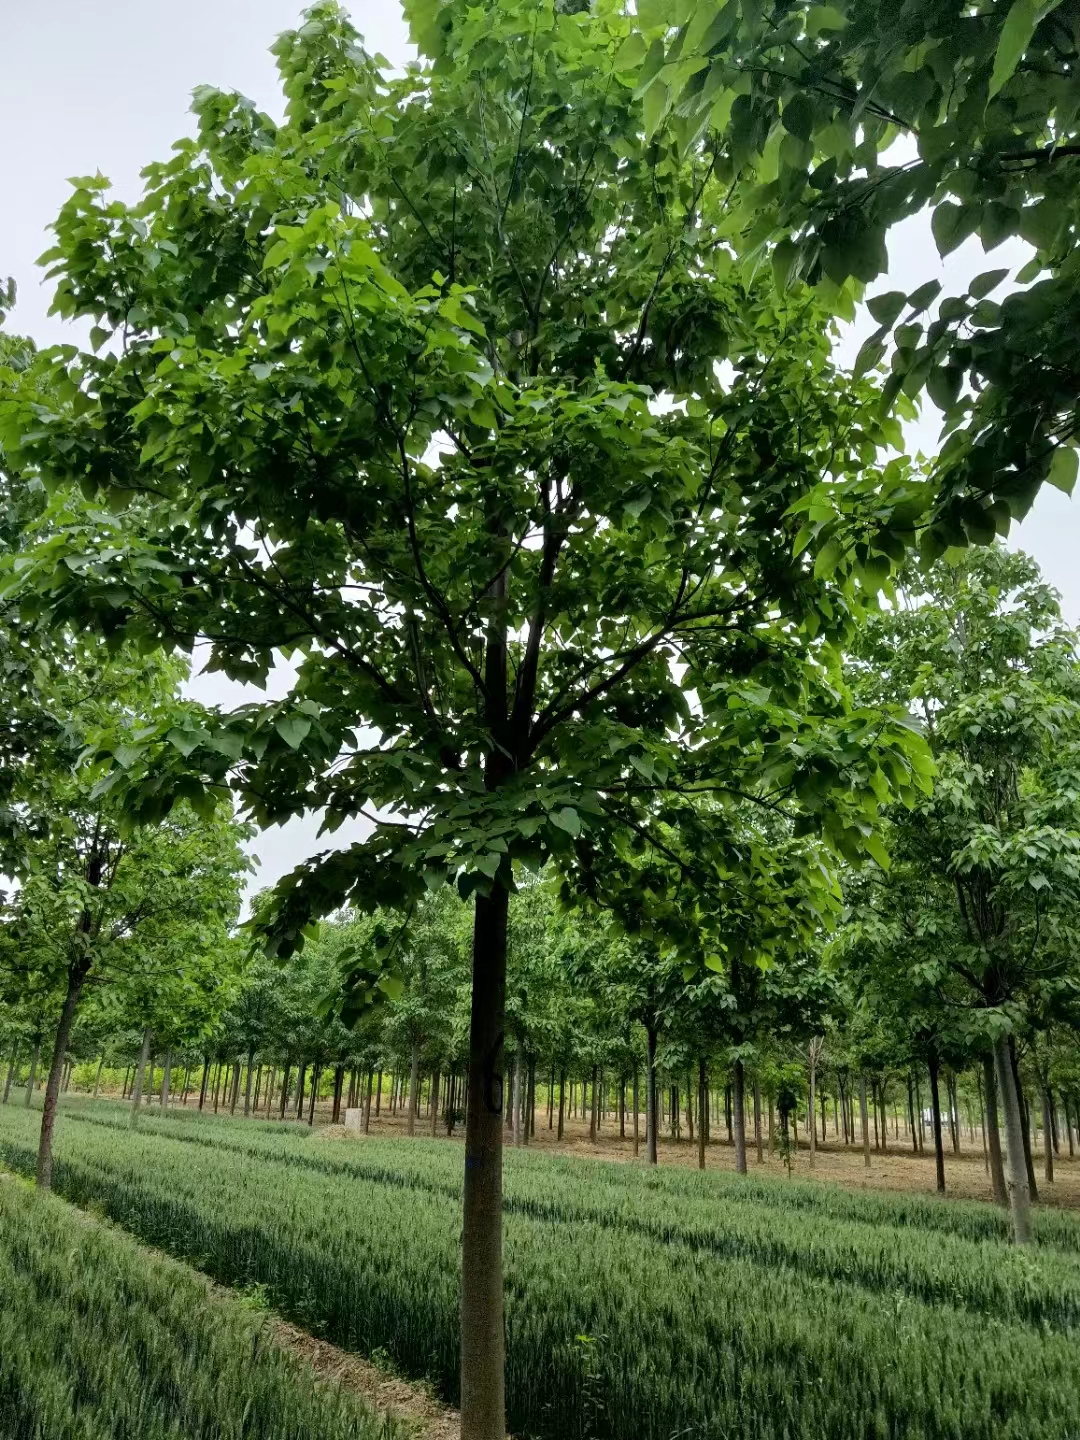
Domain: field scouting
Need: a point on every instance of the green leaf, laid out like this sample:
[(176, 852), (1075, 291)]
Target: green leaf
[(876, 850), (1016, 35), (567, 819), (924, 296), (952, 224), (983, 284), (631, 52), (886, 308), (654, 107), (1063, 467), (292, 729)]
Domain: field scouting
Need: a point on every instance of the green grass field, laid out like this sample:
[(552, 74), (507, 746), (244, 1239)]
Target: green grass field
[(641, 1304), (101, 1341)]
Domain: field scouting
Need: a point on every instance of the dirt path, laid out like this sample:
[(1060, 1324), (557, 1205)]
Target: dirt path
[(402, 1399)]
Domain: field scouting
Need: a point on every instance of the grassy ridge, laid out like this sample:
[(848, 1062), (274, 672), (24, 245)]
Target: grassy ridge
[(638, 1306), (99, 1341)]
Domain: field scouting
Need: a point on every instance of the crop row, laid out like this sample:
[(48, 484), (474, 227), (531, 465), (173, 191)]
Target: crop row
[(533, 1175), (612, 1332), (755, 1224), (100, 1341)]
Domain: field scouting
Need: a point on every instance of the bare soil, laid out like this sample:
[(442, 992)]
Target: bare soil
[(896, 1169), (402, 1399)]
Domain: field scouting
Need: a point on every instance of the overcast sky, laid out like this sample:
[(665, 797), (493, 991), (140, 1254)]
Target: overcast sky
[(88, 85)]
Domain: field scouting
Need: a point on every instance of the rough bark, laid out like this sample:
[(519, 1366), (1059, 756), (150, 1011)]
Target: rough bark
[(635, 1102), (482, 1338), (140, 1068), (562, 1104), (514, 1118), (1016, 1175)]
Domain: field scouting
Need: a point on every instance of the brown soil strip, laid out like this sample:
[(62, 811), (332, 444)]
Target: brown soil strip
[(403, 1400)]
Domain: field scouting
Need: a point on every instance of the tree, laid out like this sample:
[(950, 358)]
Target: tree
[(980, 646), (385, 394), (835, 122)]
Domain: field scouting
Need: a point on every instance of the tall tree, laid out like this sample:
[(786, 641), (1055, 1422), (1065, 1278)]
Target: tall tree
[(980, 646), (385, 394)]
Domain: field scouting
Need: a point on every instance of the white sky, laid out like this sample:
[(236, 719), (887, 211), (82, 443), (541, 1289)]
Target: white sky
[(88, 85)]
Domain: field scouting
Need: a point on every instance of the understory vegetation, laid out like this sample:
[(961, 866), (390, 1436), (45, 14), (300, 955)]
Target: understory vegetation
[(640, 1303)]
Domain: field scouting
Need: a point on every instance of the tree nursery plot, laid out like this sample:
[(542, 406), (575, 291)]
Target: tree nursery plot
[(100, 1340), (641, 1303), (691, 753)]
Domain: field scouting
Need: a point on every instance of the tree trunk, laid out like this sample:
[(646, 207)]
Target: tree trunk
[(634, 1098), (1048, 1138), (954, 1116), (651, 1100), (993, 1133), (235, 1093), (757, 1123), (562, 1104), (414, 1088), (247, 1084), (166, 1080), (865, 1119), (97, 1078), (301, 1078), (13, 1068), (367, 1100), (703, 1111), (31, 1079), (204, 1082), (77, 974), (1025, 1122), (140, 1068), (1017, 1177), (515, 1098), (316, 1075), (935, 1107), (285, 1077), (812, 1118), (911, 1113), (739, 1109), (483, 1405), (339, 1085), (592, 1112)]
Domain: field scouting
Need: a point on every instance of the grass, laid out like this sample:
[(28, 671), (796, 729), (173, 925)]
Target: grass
[(641, 1304), (101, 1341)]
